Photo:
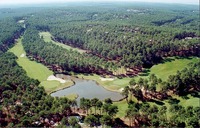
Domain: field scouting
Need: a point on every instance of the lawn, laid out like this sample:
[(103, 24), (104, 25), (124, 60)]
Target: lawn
[(123, 106), (193, 101), (52, 86), (170, 67), (36, 70), (72, 96), (47, 38), (190, 101), (114, 85)]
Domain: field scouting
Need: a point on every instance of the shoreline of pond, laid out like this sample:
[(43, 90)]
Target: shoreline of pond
[(74, 78)]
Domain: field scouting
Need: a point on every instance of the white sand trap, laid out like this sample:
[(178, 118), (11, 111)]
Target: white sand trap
[(21, 21), (121, 89), (107, 79), (52, 77), (22, 55)]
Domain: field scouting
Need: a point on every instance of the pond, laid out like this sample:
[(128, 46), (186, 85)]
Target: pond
[(87, 89)]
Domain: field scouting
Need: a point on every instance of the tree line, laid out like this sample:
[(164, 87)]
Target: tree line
[(146, 115), (60, 59), (23, 102), (141, 113), (10, 31), (111, 36)]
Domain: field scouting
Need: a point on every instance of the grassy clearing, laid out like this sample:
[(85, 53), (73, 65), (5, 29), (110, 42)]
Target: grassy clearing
[(36, 70), (52, 86), (190, 101), (193, 101), (47, 38), (123, 106), (114, 85), (72, 96), (171, 67)]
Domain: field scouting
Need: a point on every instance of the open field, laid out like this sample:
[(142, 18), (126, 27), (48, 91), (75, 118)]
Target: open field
[(189, 101), (171, 67), (193, 101), (123, 106), (47, 38), (36, 70)]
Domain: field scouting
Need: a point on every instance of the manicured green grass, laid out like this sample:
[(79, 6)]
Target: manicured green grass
[(195, 102), (36, 70), (114, 85), (190, 101), (166, 69), (47, 38), (52, 86), (72, 96), (122, 106)]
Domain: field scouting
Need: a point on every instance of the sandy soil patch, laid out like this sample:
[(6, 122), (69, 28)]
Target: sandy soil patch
[(106, 79), (21, 21), (22, 55), (121, 89), (52, 77)]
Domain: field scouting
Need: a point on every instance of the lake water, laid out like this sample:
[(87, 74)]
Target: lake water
[(87, 89)]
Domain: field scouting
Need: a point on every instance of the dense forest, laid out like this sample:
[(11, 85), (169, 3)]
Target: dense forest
[(8, 36), (111, 35), (183, 83), (123, 36), (22, 101), (60, 59)]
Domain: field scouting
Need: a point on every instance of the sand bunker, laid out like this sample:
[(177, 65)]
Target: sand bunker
[(52, 77), (121, 89), (21, 21), (107, 79), (22, 55)]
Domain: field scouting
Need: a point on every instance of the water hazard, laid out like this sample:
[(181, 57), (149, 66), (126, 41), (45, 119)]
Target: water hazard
[(87, 89)]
